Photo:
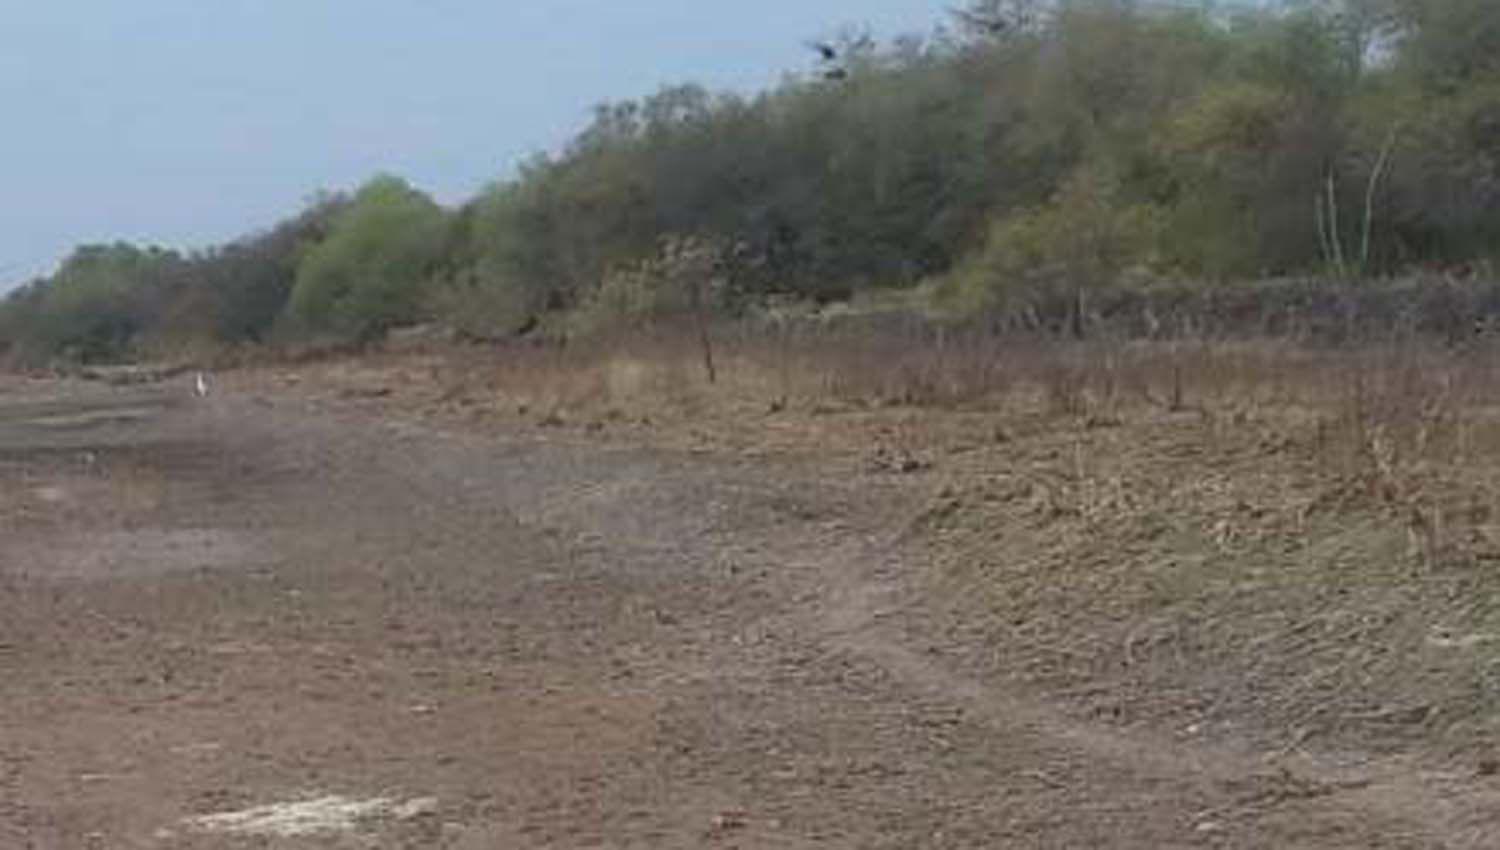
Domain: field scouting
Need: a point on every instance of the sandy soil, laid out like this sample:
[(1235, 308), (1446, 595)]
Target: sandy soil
[(266, 620)]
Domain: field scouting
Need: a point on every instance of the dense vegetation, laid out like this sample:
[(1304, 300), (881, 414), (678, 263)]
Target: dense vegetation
[(1025, 149)]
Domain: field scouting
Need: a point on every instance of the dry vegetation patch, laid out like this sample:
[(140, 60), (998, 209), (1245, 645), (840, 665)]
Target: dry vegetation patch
[(1295, 544), (1305, 550)]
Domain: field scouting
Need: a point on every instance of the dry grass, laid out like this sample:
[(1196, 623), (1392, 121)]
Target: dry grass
[(1254, 537), (1300, 542)]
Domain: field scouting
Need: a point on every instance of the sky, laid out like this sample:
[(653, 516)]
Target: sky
[(186, 123)]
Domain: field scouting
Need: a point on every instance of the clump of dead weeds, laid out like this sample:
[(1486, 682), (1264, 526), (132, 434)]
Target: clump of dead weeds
[(1298, 544)]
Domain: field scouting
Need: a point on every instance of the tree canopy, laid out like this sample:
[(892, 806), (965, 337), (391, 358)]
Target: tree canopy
[(1021, 144)]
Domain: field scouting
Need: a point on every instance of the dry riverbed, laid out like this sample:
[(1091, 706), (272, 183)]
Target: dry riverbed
[(327, 608)]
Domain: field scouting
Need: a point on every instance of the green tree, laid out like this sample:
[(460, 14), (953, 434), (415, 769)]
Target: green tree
[(102, 299), (20, 314), (369, 274), (251, 279), (503, 270), (1445, 44), (1086, 239)]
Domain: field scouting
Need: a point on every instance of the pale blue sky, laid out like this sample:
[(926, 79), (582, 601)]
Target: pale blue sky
[(188, 122)]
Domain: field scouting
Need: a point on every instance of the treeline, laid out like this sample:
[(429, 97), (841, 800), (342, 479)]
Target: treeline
[(1024, 149)]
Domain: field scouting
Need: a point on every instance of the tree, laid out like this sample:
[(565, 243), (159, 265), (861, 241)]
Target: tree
[(251, 279), (101, 300), (1083, 240), (368, 274), (1446, 44), (20, 314)]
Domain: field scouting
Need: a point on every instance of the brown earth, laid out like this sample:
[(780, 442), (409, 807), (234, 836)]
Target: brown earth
[(472, 630)]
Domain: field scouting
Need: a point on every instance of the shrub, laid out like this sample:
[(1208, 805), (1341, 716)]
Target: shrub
[(368, 275), (1087, 238)]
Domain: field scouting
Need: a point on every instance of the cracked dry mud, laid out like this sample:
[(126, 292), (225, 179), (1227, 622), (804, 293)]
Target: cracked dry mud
[(260, 607)]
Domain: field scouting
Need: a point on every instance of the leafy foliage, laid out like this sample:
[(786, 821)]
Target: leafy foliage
[(368, 274), (1084, 239), (92, 308), (250, 281), (1033, 145)]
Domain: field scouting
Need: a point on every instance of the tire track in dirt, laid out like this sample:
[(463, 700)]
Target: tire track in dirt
[(1407, 801)]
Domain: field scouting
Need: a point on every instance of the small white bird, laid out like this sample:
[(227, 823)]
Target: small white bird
[(200, 385)]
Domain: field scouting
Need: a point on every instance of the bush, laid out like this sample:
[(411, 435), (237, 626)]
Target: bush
[(369, 274), (683, 280), (1086, 239)]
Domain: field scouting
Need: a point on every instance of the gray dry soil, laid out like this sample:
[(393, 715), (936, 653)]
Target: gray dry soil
[(259, 621)]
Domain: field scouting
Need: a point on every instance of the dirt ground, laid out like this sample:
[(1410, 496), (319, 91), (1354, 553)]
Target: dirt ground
[(279, 618)]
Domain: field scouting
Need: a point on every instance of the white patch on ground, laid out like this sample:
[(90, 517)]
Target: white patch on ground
[(311, 817), (138, 552), (51, 494), (91, 417)]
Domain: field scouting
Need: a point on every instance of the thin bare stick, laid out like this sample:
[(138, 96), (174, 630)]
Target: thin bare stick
[(1333, 225), (1322, 225), (701, 311), (1380, 165)]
